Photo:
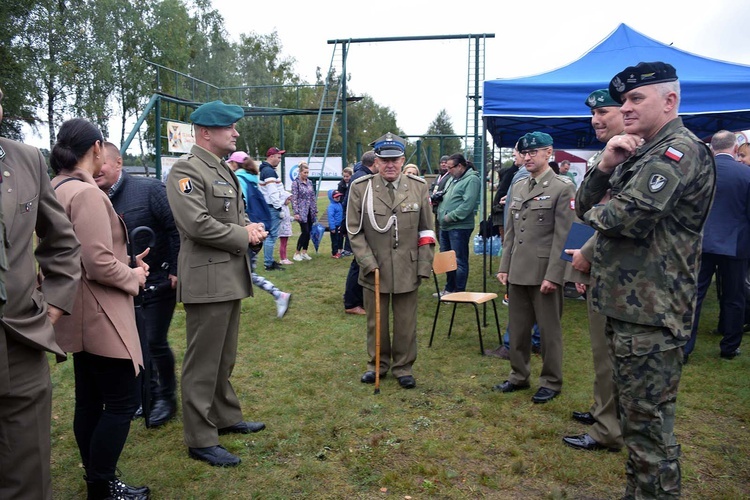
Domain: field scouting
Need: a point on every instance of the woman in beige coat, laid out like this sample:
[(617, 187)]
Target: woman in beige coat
[(101, 331)]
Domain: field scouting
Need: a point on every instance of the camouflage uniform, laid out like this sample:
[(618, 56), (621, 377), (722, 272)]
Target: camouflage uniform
[(644, 273)]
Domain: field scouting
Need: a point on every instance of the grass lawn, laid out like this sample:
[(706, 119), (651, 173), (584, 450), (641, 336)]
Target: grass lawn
[(329, 436)]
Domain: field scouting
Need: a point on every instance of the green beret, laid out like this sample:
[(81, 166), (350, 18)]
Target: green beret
[(217, 114), (534, 140), (388, 146), (644, 73), (601, 99)]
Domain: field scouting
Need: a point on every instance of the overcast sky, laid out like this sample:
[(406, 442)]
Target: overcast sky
[(418, 79)]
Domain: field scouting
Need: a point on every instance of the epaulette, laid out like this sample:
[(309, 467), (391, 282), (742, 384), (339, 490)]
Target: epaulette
[(519, 180), (564, 178), (416, 178), (363, 178)]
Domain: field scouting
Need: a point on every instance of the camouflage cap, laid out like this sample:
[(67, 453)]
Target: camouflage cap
[(644, 73), (534, 140), (388, 146), (601, 99), (216, 114)]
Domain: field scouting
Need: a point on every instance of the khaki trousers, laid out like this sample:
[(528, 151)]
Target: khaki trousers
[(209, 402), (25, 420), (399, 351)]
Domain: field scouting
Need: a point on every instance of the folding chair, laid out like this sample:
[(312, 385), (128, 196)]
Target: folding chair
[(441, 264)]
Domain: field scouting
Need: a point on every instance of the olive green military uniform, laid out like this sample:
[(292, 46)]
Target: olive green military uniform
[(539, 222), (403, 263), (213, 273), (606, 428), (644, 271)]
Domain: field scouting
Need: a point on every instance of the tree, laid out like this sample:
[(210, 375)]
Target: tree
[(435, 148)]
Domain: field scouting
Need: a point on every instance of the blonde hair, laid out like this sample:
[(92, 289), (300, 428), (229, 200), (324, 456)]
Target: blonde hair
[(410, 165)]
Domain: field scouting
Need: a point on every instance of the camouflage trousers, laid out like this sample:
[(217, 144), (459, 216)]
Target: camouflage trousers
[(647, 364)]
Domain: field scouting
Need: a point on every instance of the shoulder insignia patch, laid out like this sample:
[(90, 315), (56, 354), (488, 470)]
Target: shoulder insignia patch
[(572, 203), (673, 154), (657, 182), (416, 178), (186, 185)]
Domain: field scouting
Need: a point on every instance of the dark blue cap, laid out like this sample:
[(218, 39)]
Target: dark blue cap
[(388, 146), (643, 73)]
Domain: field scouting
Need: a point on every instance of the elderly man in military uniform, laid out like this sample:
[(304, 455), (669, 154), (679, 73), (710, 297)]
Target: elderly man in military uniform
[(645, 264), (604, 433), (540, 216), (214, 275), (29, 206), (390, 227)]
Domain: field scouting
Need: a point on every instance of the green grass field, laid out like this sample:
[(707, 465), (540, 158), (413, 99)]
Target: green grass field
[(329, 436)]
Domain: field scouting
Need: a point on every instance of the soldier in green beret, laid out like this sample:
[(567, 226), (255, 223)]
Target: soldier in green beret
[(214, 275), (604, 431), (645, 263), (540, 215)]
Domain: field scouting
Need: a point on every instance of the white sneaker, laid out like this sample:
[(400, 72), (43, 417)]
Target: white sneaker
[(282, 304), (297, 257), (305, 256), (286, 262)]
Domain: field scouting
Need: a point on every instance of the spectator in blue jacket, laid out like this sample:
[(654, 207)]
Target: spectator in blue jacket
[(335, 219), (257, 210)]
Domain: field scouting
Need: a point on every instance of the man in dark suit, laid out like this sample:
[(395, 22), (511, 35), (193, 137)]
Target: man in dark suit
[(26, 332), (353, 296), (213, 277), (142, 201), (726, 246)]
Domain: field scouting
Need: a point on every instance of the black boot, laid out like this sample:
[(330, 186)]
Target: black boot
[(119, 490), (163, 411), (97, 490)]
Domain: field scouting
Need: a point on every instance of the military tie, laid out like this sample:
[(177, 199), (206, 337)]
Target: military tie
[(392, 196), (532, 183)]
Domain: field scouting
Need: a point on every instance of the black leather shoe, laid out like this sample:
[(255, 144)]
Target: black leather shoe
[(217, 456), (369, 377), (138, 413), (507, 386), (544, 394), (730, 355), (163, 411), (118, 489), (244, 427), (407, 382), (586, 442), (584, 417), (536, 349)]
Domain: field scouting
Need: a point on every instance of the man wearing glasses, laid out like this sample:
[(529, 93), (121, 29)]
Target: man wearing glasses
[(541, 212)]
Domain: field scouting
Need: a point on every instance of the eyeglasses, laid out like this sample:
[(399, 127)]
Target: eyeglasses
[(532, 152)]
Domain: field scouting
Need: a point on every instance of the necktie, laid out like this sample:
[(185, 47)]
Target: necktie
[(389, 185), (532, 183)]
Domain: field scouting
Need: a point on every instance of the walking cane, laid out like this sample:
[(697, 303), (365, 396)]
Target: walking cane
[(377, 331), (140, 323)]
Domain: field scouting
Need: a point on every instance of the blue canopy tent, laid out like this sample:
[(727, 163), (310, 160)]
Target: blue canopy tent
[(715, 94)]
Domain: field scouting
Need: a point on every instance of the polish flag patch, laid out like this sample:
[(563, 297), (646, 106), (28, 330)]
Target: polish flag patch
[(673, 154), (572, 203)]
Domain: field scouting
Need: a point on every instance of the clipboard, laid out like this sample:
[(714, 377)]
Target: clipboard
[(578, 235)]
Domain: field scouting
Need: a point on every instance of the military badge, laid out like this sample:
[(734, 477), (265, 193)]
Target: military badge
[(186, 185), (572, 203), (656, 183)]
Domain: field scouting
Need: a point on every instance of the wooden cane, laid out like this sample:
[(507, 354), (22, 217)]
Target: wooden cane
[(377, 331)]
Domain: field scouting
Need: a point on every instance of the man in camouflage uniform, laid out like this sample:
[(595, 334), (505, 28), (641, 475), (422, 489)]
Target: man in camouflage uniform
[(645, 263)]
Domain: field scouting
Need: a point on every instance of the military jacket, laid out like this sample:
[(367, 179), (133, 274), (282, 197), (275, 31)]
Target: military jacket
[(402, 262), (209, 213), (646, 259), (538, 225)]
